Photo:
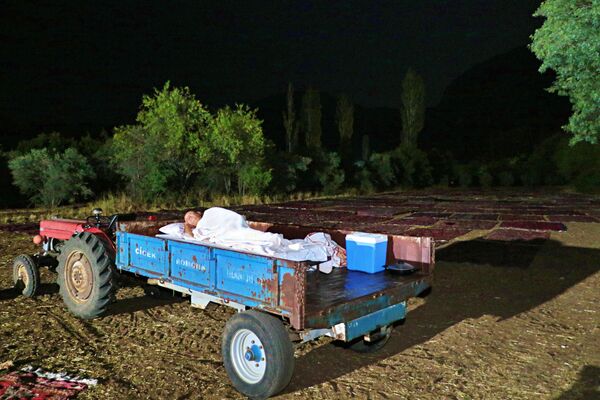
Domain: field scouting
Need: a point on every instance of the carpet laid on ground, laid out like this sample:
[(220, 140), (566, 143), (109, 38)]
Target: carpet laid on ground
[(36, 384)]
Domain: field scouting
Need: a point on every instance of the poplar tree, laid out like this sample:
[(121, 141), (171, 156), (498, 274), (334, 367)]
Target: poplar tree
[(311, 118), (413, 107), (289, 121), (344, 118)]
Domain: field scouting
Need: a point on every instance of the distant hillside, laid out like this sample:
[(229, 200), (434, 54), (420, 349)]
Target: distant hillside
[(497, 108)]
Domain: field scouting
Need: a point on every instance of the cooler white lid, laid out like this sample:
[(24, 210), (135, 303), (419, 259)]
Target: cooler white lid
[(364, 237)]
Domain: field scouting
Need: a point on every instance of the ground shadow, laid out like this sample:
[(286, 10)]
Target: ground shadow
[(140, 303), (48, 288), (9, 294), (44, 289), (528, 276), (587, 386)]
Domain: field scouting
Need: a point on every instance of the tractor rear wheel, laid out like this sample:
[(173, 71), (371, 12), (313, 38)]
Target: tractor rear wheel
[(26, 275), (85, 276)]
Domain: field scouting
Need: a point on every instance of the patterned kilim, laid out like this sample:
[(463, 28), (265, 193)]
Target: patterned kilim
[(34, 385)]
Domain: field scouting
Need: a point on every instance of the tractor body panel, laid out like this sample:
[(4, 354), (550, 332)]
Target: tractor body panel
[(62, 229)]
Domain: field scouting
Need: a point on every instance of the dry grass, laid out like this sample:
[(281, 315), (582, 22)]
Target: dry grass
[(122, 203)]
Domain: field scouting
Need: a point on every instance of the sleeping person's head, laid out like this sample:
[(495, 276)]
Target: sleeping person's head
[(191, 220)]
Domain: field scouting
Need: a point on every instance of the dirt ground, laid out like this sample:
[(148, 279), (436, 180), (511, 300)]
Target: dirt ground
[(503, 321)]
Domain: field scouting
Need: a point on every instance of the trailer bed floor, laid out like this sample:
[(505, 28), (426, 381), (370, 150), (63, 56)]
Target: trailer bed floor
[(342, 286)]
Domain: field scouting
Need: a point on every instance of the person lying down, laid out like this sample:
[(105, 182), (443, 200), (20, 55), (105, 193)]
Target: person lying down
[(227, 228)]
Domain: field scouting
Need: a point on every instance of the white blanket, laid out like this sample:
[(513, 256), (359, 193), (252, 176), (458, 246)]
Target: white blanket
[(227, 228)]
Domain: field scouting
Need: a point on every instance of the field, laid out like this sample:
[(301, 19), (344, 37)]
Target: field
[(506, 318)]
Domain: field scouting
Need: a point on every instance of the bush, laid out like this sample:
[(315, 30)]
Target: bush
[(539, 168), (329, 173), (464, 175), (579, 165), (442, 167), (362, 177), (52, 179), (383, 171), (506, 178), (287, 170), (484, 176), (413, 168)]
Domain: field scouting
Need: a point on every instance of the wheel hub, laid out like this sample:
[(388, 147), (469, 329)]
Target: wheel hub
[(248, 356), (79, 276), (22, 274)]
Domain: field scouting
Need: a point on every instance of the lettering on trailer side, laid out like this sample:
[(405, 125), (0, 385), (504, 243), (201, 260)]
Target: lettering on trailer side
[(189, 264), (144, 253)]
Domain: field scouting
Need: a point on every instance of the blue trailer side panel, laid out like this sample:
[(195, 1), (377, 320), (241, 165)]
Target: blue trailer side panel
[(246, 275), (191, 265), (148, 254)]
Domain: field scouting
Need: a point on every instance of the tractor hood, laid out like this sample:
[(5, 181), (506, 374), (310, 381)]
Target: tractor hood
[(61, 229)]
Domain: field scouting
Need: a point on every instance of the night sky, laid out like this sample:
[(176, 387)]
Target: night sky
[(82, 65)]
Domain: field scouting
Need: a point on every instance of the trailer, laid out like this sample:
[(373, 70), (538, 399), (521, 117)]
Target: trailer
[(280, 303)]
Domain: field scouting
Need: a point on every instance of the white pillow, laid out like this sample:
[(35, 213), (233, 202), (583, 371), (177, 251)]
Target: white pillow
[(174, 229)]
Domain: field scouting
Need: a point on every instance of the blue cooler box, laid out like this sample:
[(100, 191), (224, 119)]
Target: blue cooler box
[(366, 252)]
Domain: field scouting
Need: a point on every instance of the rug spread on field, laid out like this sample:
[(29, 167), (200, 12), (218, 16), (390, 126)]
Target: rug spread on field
[(36, 384)]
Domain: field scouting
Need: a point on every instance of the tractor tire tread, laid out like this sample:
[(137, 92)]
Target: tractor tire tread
[(33, 274), (102, 268)]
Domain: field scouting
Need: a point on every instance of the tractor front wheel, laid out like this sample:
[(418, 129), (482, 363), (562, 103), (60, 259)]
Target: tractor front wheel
[(26, 275), (85, 276)]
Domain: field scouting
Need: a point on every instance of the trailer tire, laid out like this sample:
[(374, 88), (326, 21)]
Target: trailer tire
[(86, 276), (258, 354), (26, 275), (362, 346)]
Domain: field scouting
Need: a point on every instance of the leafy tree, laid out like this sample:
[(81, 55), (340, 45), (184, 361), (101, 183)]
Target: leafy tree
[(311, 118), (290, 123), (237, 146), (174, 117), (52, 141), (167, 147), (51, 179), (140, 159), (569, 43), (413, 107), (344, 118)]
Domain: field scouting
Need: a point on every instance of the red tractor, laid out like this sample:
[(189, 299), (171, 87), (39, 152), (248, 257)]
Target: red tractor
[(82, 252)]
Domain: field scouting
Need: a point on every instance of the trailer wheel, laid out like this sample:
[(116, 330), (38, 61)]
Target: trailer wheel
[(362, 346), (26, 275), (85, 276), (258, 354)]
